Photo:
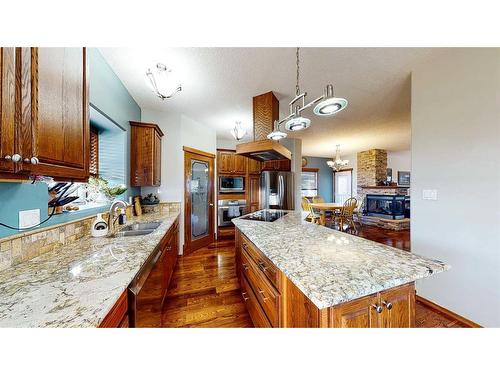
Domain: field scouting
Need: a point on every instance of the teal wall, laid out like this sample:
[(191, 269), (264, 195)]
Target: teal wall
[(325, 176), (110, 99)]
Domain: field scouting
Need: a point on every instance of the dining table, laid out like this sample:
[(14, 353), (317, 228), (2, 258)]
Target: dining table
[(326, 206)]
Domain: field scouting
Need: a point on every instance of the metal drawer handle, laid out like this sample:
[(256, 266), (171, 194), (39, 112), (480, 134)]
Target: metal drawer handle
[(264, 298), (377, 308), (243, 294), (387, 304), (168, 248), (245, 266), (262, 266), (157, 256)]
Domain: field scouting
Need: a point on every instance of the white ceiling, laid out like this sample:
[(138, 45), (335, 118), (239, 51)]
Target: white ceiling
[(218, 85)]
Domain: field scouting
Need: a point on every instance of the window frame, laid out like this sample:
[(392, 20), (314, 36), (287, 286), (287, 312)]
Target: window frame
[(310, 170)]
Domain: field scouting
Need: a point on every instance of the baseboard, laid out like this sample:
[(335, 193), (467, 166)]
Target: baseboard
[(448, 313)]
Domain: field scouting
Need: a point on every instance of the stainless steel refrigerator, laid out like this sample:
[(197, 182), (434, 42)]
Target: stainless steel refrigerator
[(277, 190)]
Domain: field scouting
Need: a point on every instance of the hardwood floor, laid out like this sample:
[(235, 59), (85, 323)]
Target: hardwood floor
[(204, 290)]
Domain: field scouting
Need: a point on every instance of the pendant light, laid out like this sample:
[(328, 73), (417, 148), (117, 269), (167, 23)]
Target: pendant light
[(276, 134), (162, 82), (325, 105), (238, 132), (337, 164)]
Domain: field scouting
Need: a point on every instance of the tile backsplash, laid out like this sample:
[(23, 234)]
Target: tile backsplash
[(26, 246)]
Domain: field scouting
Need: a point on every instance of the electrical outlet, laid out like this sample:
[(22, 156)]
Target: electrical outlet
[(430, 194), (29, 218)]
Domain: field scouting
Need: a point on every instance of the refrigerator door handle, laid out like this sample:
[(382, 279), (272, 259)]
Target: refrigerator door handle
[(281, 187)]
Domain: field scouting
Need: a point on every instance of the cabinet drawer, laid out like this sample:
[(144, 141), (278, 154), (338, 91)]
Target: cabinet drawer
[(268, 297), (256, 313), (265, 265)]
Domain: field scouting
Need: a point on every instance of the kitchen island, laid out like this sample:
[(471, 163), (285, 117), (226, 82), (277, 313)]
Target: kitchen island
[(297, 274)]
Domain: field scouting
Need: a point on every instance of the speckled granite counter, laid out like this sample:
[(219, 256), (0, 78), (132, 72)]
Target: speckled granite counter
[(78, 284), (331, 267)]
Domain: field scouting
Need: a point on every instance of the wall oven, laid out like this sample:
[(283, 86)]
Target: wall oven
[(231, 184), (229, 209)]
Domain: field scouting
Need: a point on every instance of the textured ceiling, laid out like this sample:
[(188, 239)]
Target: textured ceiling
[(218, 85)]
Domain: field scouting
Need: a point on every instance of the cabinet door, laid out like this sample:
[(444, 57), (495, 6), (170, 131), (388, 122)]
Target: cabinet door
[(141, 152), (54, 118), (284, 165), (240, 164), (157, 160), (7, 108), (225, 162), (254, 195), (398, 307), (254, 166), (359, 313)]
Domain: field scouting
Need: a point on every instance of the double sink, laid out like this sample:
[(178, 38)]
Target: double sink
[(138, 229)]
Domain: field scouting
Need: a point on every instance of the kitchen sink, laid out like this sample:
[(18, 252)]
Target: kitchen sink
[(138, 229)]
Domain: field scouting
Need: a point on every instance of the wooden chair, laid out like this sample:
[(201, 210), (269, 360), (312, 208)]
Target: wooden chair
[(359, 210), (346, 215), (313, 216), (328, 213)]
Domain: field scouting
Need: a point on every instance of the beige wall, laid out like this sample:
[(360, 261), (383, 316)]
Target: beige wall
[(456, 150)]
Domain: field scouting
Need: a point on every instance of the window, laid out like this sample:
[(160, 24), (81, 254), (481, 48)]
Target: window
[(309, 182), (342, 185), (94, 152)]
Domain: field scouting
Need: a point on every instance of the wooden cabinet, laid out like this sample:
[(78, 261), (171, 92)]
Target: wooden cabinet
[(254, 166), (253, 193), (118, 315), (7, 108), (277, 165), (269, 293), (145, 154), (230, 163), (52, 132)]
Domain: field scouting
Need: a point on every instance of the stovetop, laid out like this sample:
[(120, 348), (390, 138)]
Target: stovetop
[(268, 216)]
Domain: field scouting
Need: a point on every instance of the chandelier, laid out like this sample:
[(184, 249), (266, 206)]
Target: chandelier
[(337, 164), (325, 105), (161, 82), (238, 132)]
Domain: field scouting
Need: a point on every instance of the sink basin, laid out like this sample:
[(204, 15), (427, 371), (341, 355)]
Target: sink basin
[(141, 226), (137, 232)]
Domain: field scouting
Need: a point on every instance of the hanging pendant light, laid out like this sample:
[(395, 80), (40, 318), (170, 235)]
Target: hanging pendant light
[(238, 132), (325, 105), (276, 134), (337, 164), (161, 82)]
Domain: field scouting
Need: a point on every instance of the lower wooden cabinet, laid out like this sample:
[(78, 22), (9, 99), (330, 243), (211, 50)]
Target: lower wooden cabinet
[(269, 294), (118, 315)]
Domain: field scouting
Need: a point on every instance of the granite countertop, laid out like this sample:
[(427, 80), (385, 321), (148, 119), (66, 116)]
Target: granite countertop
[(78, 284), (331, 267)]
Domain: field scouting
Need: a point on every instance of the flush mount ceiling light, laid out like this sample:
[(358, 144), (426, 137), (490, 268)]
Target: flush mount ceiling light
[(337, 164), (162, 82), (276, 134), (238, 132), (325, 105)]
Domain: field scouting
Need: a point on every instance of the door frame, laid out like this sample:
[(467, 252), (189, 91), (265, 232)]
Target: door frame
[(190, 246)]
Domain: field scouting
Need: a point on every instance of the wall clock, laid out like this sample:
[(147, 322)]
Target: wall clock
[(304, 162)]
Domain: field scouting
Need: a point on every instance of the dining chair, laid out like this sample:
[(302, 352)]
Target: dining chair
[(328, 213), (313, 217), (359, 210), (346, 215)]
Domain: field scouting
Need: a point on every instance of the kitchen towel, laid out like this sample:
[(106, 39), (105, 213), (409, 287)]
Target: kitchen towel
[(233, 211)]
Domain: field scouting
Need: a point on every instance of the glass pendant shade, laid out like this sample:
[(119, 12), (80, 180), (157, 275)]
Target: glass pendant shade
[(162, 82), (276, 135), (337, 164), (297, 123), (329, 105), (238, 132)]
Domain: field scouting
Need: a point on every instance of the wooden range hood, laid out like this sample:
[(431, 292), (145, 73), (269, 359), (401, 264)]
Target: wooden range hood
[(265, 112)]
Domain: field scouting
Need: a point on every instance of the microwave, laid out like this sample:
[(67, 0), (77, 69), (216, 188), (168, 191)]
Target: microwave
[(231, 184)]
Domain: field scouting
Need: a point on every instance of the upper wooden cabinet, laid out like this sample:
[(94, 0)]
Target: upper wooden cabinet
[(277, 165), (145, 154), (230, 163), (254, 166), (7, 108), (44, 112)]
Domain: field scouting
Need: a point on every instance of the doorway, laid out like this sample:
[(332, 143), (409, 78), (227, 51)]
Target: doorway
[(342, 185), (198, 199)]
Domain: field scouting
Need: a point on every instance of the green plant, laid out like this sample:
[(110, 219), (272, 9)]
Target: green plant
[(103, 186)]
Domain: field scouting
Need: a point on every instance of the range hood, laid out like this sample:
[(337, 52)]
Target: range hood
[(265, 112)]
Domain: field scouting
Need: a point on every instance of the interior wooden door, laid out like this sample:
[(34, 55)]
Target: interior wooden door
[(54, 123), (7, 108), (198, 199), (399, 307)]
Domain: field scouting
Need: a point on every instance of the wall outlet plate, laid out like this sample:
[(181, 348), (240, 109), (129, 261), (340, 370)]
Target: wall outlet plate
[(29, 218), (430, 194)]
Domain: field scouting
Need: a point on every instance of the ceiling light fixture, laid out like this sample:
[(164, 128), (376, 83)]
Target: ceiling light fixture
[(238, 132), (276, 134), (161, 82), (325, 105), (337, 164)]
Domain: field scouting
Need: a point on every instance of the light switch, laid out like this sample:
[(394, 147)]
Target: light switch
[(29, 218), (430, 194)]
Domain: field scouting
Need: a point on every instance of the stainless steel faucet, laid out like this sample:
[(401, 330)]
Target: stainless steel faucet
[(112, 210)]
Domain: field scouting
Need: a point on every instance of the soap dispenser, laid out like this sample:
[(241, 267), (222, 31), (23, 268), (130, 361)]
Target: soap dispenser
[(99, 227)]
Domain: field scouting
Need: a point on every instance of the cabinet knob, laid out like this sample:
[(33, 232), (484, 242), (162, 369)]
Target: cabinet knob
[(33, 160), (245, 266), (243, 294), (264, 298), (387, 304), (7, 157), (377, 308), (16, 158)]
